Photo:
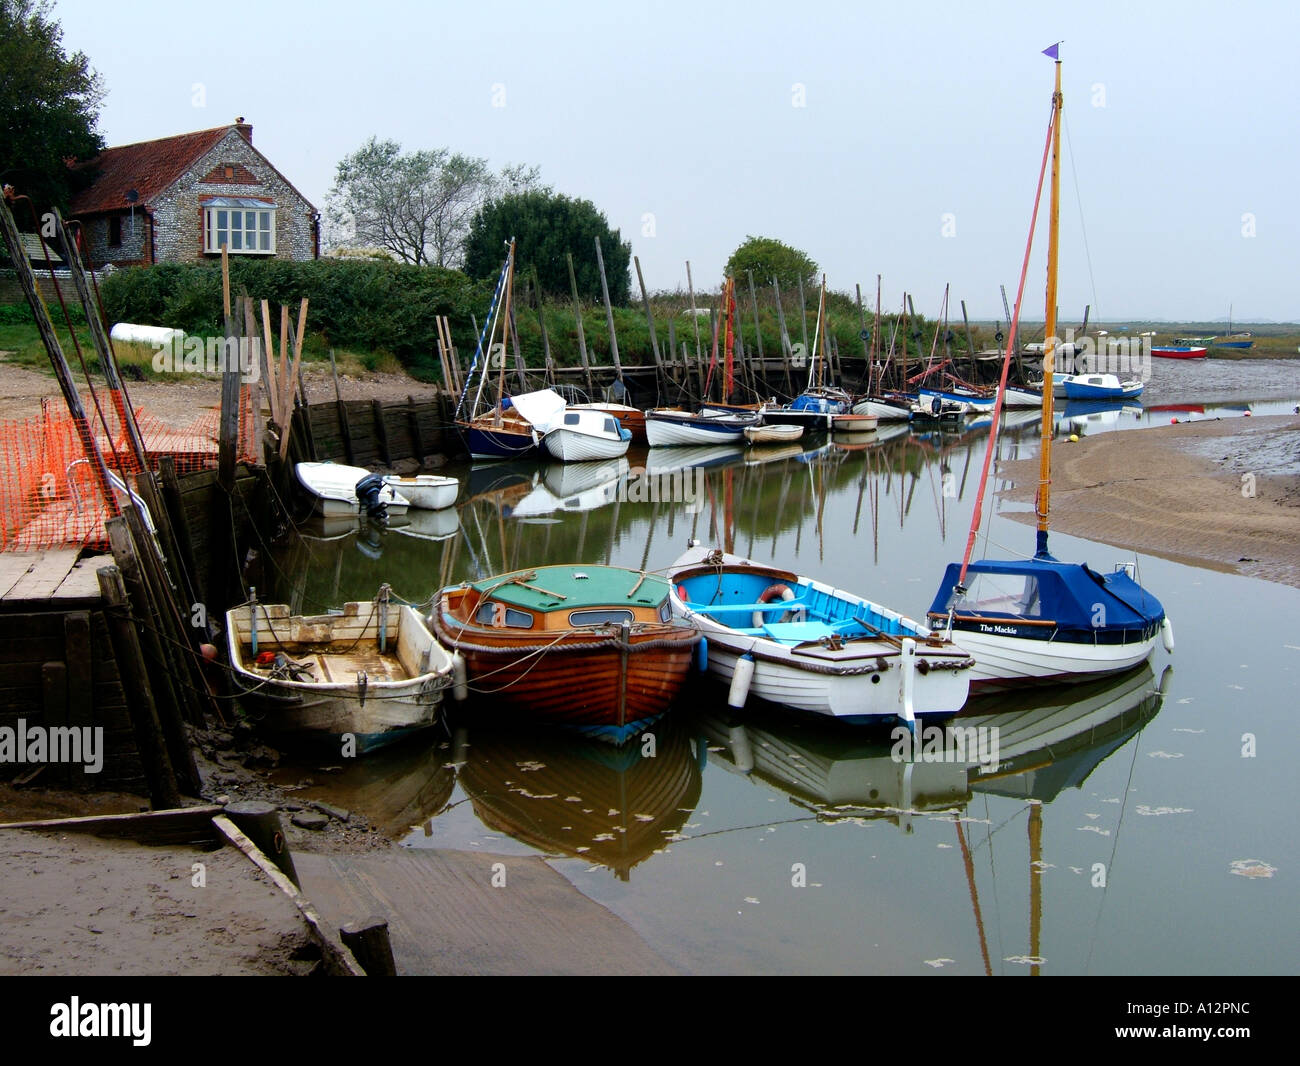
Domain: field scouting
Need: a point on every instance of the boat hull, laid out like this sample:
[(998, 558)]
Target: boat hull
[(882, 410), (1015, 397), (398, 696), (667, 430), (572, 446), (1077, 390), (426, 492), (855, 679), (850, 696), (766, 434), (972, 402), (854, 424), (590, 680), (487, 442), (1008, 662), (333, 489), (1180, 353), (812, 421)]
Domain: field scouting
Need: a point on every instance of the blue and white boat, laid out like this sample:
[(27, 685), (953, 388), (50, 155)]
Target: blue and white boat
[(1041, 619), (814, 409), (973, 401), (802, 644), (665, 427), (1101, 387)]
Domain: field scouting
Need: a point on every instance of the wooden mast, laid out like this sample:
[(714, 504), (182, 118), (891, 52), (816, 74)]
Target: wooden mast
[(501, 377), (1049, 346), (729, 356)]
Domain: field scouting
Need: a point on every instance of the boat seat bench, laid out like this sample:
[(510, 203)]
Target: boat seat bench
[(814, 629)]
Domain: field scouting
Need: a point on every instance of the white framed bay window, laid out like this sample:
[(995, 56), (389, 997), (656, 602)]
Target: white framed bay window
[(244, 225)]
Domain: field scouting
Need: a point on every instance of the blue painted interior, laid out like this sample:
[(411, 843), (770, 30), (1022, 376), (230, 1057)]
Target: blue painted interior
[(732, 598)]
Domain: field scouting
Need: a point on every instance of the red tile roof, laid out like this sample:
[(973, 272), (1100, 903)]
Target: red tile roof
[(148, 167)]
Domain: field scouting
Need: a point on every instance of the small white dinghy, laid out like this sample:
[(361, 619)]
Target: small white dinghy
[(373, 673), (334, 486), (773, 434), (581, 436), (884, 409), (428, 492)]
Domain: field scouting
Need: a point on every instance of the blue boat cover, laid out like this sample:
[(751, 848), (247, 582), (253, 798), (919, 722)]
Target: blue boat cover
[(1043, 587), (819, 404)]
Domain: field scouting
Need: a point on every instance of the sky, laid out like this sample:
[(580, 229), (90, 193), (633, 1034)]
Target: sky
[(898, 139)]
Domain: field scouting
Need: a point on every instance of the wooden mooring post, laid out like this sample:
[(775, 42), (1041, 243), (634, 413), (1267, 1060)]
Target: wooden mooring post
[(150, 738)]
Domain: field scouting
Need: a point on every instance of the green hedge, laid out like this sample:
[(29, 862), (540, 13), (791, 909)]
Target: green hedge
[(366, 306), (371, 306)]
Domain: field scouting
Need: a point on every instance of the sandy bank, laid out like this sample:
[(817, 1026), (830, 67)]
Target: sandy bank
[(1182, 492), (75, 904)]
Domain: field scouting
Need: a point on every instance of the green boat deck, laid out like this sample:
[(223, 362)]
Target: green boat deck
[(549, 588)]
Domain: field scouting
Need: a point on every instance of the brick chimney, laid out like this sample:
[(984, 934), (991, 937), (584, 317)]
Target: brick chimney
[(245, 130)]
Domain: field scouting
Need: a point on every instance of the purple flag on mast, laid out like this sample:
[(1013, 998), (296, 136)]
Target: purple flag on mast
[(1053, 52)]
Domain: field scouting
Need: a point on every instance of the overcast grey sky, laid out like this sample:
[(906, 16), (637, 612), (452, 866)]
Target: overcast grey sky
[(1182, 117)]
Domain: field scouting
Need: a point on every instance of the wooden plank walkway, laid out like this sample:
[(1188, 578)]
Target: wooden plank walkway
[(444, 916), (53, 577)]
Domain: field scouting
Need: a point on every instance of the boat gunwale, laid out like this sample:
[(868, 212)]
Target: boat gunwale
[(235, 649)]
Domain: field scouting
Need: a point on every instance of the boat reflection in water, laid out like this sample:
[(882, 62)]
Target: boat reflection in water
[(568, 796), (832, 770), (581, 486), (397, 790), (1054, 739), (1030, 745)]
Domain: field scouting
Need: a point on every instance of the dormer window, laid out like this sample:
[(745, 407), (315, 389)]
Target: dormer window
[(244, 225)]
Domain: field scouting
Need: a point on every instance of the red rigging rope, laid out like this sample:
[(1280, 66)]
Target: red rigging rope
[(1006, 358)]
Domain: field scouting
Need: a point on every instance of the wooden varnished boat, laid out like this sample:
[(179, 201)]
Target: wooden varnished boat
[(594, 648)]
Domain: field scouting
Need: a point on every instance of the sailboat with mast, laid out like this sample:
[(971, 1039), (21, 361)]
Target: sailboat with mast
[(1042, 620), (514, 426), (875, 402), (715, 423), (817, 406)]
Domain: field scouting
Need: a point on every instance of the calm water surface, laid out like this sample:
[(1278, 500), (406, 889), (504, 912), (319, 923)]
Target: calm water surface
[(1143, 824)]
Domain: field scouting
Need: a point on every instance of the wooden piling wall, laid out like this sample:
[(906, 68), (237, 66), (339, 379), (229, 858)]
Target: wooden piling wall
[(57, 669)]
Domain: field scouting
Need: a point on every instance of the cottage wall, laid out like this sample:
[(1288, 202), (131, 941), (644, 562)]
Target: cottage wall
[(179, 218), (134, 248), (169, 228)]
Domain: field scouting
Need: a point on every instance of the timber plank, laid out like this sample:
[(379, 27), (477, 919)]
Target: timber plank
[(14, 566), (80, 585), (44, 575)]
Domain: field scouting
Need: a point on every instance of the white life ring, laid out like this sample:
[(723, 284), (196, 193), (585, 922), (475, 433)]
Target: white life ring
[(773, 592)]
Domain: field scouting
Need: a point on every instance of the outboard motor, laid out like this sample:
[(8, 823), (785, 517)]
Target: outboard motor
[(936, 407), (368, 490)]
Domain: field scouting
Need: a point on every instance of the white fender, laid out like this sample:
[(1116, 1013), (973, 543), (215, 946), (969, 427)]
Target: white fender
[(1167, 634), (907, 682), (741, 679), (459, 677)]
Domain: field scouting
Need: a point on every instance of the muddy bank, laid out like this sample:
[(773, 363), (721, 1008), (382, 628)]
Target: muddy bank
[(78, 905), (1224, 494)]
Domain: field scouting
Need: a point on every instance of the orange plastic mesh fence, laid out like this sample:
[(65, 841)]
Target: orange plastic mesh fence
[(49, 492)]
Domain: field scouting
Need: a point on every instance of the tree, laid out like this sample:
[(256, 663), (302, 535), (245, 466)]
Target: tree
[(768, 259), (546, 226), (416, 205), (50, 105)]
